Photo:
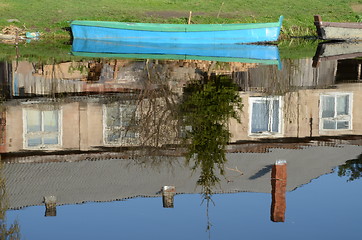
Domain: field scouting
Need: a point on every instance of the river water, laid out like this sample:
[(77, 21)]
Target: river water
[(117, 148)]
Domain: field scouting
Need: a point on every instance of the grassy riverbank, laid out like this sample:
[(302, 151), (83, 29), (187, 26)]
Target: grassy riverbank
[(50, 17)]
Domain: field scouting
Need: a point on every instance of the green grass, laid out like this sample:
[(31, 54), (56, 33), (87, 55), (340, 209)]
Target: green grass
[(47, 51), (297, 48), (49, 16)]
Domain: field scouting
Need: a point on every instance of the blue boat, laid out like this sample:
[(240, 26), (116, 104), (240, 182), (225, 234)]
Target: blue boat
[(249, 53), (177, 33)]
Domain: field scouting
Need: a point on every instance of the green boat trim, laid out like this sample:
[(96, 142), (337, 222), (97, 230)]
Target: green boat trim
[(157, 27), (176, 57)]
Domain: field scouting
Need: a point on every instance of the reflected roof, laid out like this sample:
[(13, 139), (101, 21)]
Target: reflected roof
[(113, 178)]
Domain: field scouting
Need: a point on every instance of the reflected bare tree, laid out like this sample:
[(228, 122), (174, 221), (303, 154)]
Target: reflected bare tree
[(157, 111), (6, 232), (351, 169), (143, 118)]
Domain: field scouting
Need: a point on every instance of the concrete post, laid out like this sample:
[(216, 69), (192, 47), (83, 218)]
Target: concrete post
[(168, 193), (50, 206)]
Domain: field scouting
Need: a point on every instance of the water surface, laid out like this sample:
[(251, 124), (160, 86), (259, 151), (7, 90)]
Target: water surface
[(135, 149)]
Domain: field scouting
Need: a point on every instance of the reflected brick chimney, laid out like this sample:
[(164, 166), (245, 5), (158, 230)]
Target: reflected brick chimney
[(279, 186)]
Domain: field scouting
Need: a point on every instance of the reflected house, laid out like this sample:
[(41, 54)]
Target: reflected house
[(295, 74), (28, 79), (91, 123), (350, 69), (31, 79), (83, 123), (300, 114), (87, 124), (92, 130), (299, 102), (348, 56), (67, 77)]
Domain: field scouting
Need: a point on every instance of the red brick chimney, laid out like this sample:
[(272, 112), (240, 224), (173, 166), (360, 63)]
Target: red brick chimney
[(279, 186)]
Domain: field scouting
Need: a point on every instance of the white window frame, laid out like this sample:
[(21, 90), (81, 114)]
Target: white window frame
[(42, 133), (253, 100), (124, 141), (336, 117)]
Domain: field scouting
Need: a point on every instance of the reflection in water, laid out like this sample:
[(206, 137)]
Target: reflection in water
[(279, 187), (50, 206), (266, 115), (6, 232), (207, 109), (157, 104), (263, 54), (114, 131), (168, 194), (351, 169)]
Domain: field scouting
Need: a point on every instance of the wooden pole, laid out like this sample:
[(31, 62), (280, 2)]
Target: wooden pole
[(189, 20), (16, 37), (218, 14), (317, 23), (115, 69)]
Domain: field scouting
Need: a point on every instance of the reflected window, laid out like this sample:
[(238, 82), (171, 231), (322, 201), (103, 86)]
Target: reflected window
[(41, 129), (335, 111), (265, 115), (120, 123)]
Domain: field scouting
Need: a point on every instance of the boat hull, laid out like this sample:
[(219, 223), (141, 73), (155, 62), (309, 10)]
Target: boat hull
[(268, 54), (177, 33)]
